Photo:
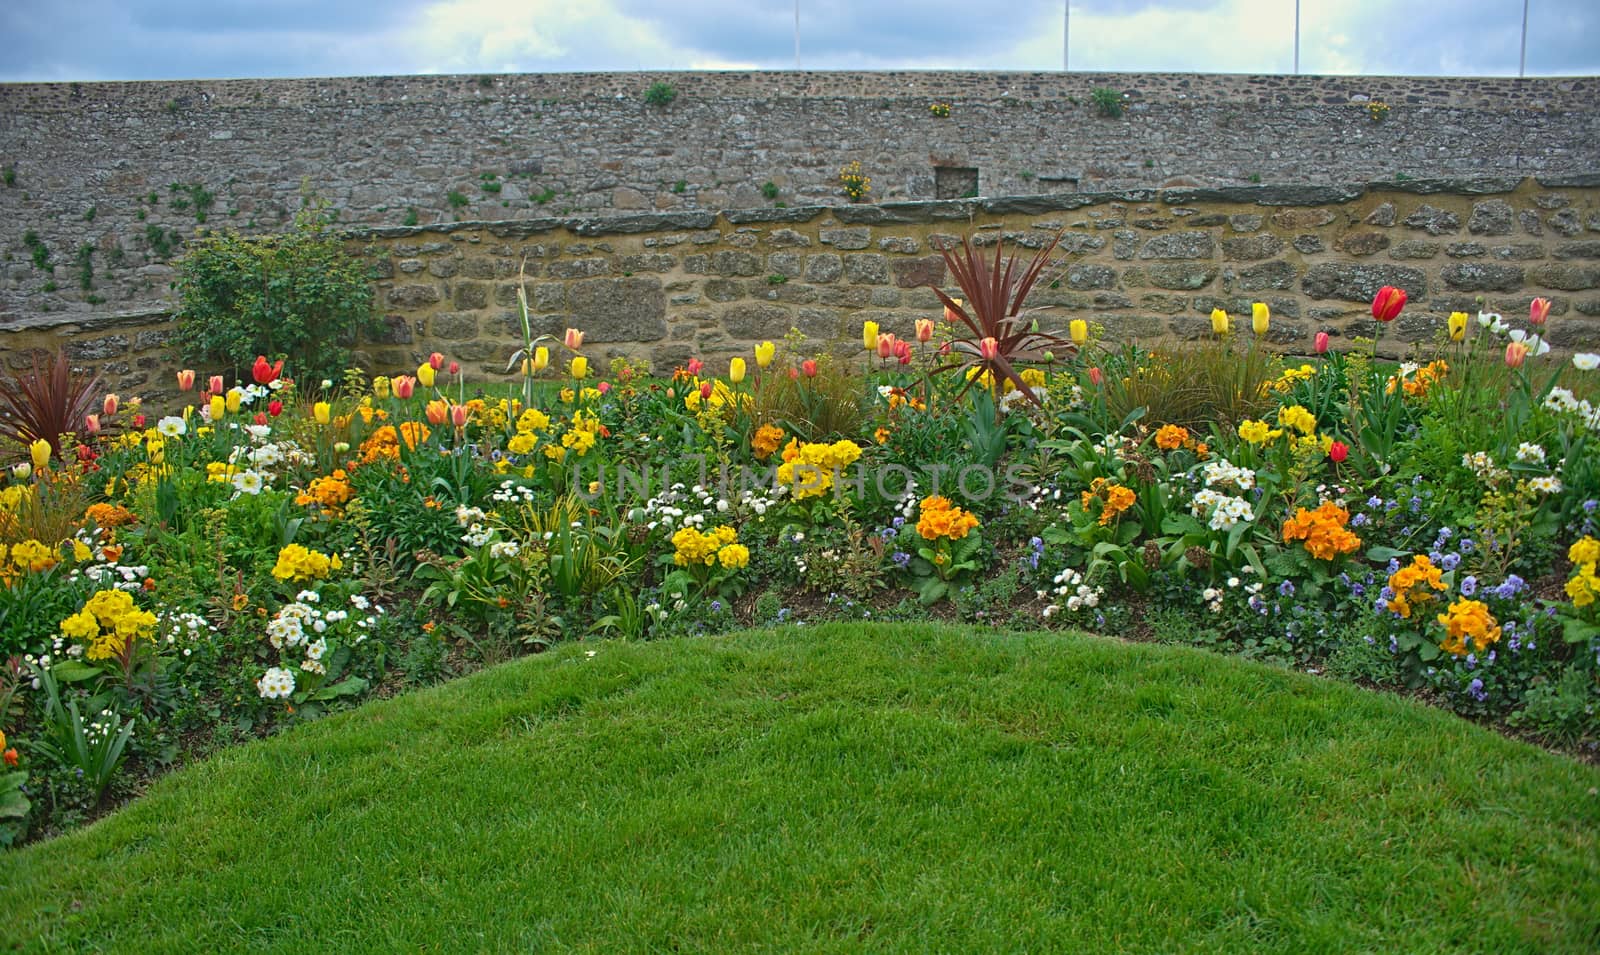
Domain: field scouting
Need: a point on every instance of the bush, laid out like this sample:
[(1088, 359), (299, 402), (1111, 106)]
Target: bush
[(300, 295), (1107, 102), (660, 94)]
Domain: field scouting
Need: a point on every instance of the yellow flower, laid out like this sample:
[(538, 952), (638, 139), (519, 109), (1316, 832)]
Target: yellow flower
[(580, 367), (1256, 432), (1457, 324), (1078, 329), (736, 370), (322, 412), (541, 358), (235, 399), (1219, 321), (1585, 551), (39, 450), (425, 375), (380, 386), (218, 407), (764, 353), (869, 336), (1298, 418), (1260, 317)]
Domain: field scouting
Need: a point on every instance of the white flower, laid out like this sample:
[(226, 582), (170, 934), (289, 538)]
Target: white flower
[(1586, 361), (276, 684), (317, 649), (1489, 319), (247, 482), (266, 456), (1546, 485), (172, 426), (258, 431), (1529, 453)]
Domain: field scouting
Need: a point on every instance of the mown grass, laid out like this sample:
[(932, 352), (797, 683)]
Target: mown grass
[(846, 788)]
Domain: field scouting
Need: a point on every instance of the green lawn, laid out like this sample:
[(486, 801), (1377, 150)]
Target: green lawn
[(846, 788)]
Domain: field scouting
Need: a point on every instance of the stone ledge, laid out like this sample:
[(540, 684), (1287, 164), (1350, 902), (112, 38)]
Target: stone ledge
[(90, 321)]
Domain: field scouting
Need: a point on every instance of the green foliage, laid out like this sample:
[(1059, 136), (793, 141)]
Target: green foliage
[(299, 294), (410, 217), (660, 93), (769, 189), (1107, 102), (457, 199), (490, 183), (1191, 386), (8, 175), (37, 250), (680, 187), (86, 266), (95, 746), (192, 195), (544, 197), (160, 241)]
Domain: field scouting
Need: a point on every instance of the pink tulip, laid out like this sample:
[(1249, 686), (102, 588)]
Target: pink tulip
[(1516, 352), (603, 387), (694, 366), (91, 423), (1320, 343), (924, 330), (1096, 376), (138, 421), (455, 368), (573, 339), (436, 360), (1539, 311), (809, 368), (989, 348), (902, 351), (186, 379), (404, 386), (885, 345), (216, 385), (458, 415), (109, 406)]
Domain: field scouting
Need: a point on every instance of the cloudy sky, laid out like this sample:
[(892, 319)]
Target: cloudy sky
[(180, 39)]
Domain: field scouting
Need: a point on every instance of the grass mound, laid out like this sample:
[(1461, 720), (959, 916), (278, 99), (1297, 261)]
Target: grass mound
[(901, 788)]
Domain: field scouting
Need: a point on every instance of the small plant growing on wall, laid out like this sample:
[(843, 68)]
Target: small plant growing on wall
[(37, 250), (1107, 102), (769, 189), (1378, 111), (457, 199), (856, 185), (660, 94), (8, 176), (940, 110)]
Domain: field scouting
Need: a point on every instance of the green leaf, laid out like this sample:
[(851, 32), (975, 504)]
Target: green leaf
[(348, 687), (75, 671)]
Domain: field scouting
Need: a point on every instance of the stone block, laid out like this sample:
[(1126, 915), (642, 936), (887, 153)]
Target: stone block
[(1309, 243), (98, 349), (471, 295), (1268, 275), (787, 238), (1482, 277), (846, 239), (1565, 277), (1362, 243), (755, 322), (1085, 275), (453, 326), (1414, 249), (1434, 221), (912, 273), (724, 290), (1252, 248), (619, 310), (730, 262), (1358, 283), (1179, 245), (1182, 276), (578, 268), (1491, 217), (824, 267), (903, 244), (414, 296)]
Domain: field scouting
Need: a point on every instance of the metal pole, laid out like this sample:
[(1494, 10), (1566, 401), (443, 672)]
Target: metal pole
[(1296, 37), (1066, 28), (1522, 65), (797, 34)]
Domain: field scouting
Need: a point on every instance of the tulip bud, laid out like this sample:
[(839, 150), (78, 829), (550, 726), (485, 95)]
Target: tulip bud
[(341, 447), (924, 330), (579, 367), (260, 418), (1338, 451), (950, 314), (216, 387), (989, 348), (274, 407), (109, 406), (218, 407), (1049, 357), (322, 412), (425, 375), (22, 471), (1457, 325), (1539, 311), (883, 344), (454, 369), (91, 423), (435, 361), (459, 415), (437, 412), (573, 339), (869, 336), (1096, 376), (764, 353), (736, 370), (1386, 305), (706, 390), (541, 359), (809, 368), (186, 379), (39, 451), (1319, 343), (1516, 352), (235, 398), (1260, 318), (1219, 321), (138, 421), (604, 387), (405, 385), (1078, 331)]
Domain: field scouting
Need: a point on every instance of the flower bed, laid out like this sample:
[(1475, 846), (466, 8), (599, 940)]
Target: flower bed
[(276, 548)]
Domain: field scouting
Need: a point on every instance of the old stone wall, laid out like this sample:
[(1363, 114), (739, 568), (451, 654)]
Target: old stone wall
[(1145, 264), (103, 183)]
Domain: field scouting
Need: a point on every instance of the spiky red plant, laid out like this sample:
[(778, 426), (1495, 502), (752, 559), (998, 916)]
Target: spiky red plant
[(46, 403), (1002, 334)]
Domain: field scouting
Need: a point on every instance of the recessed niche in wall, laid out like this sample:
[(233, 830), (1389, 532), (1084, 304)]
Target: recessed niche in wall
[(1058, 183), (954, 182)]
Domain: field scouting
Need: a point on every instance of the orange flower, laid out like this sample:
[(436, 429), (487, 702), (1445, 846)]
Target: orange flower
[(881, 435), (1113, 499), (1172, 437), (766, 440), (1414, 585), (1323, 531), (939, 518)]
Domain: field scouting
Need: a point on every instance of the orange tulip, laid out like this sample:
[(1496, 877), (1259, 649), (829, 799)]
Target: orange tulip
[(1386, 305)]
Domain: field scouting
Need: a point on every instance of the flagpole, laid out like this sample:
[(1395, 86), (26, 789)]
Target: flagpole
[(1066, 27), (797, 34), (1522, 64)]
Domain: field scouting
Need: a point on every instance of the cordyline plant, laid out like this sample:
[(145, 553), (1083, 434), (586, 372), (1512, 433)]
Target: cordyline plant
[(46, 403), (1002, 334)]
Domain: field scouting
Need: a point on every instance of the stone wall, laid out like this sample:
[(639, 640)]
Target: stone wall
[(110, 179), (1147, 265)]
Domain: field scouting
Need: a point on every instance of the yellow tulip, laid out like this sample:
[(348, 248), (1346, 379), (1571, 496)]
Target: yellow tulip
[(1219, 321), (764, 353), (40, 452), (580, 367), (1260, 318), (425, 374), (380, 386), (736, 370), (219, 407), (1079, 330), (541, 359), (322, 411), (869, 336), (1458, 326), (235, 399)]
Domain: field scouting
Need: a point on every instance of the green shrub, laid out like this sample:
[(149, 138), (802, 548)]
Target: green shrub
[(1107, 102), (300, 295), (660, 94)]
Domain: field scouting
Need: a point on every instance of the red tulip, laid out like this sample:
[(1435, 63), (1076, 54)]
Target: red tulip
[(138, 421), (404, 386), (260, 418), (902, 351), (455, 368), (1320, 343), (436, 360), (264, 373), (694, 366), (274, 407), (1338, 451), (705, 390), (1096, 376), (809, 367), (1386, 305), (794, 373), (216, 387), (458, 415), (603, 387), (1539, 311)]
